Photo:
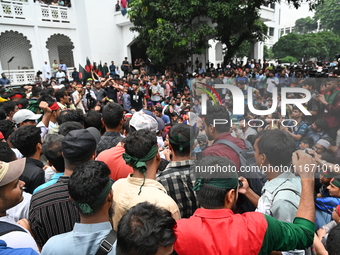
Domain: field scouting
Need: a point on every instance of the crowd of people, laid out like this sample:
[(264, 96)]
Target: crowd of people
[(129, 161)]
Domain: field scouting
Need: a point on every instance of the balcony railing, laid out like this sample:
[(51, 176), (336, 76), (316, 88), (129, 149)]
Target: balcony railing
[(27, 76), (14, 9), (55, 13)]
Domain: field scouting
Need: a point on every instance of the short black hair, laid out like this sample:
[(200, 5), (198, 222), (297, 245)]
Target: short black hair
[(6, 128), (71, 115), (139, 143), (112, 114), (60, 93), (52, 149), (36, 91), (307, 140), (211, 197), (8, 106), (47, 98), (181, 135), (218, 112), (322, 124), (25, 139), (333, 244), (143, 229), (6, 153), (66, 127), (276, 142), (93, 119), (87, 182)]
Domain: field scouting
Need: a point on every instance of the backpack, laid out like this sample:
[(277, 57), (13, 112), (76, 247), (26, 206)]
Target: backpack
[(255, 177)]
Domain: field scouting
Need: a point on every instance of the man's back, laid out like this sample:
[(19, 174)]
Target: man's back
[(178, 182), (225, 151), (33, 175), (51, 212), (220, 232), (281, 197), (126, 196), (84, 239)]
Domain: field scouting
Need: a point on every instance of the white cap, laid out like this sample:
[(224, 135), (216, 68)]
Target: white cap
[(24, 114), (141, 120)]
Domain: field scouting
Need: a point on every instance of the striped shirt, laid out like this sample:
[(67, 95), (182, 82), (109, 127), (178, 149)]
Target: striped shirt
[(51, 212), (178, 180)]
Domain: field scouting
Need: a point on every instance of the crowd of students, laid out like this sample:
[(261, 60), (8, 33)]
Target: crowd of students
[(124, 165)]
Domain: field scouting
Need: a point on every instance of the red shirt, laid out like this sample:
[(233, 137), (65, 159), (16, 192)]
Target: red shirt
[(220, 231), (114, 160), (225, 151)]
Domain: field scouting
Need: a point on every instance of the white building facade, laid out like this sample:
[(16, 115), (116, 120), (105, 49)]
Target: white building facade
[(33, 33)]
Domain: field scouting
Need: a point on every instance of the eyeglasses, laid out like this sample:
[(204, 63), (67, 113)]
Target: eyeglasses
[(317, 148), (335, 210)]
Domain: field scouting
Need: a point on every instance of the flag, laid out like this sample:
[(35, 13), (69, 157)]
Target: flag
[(100, 70), (83, 75), (88, 66)]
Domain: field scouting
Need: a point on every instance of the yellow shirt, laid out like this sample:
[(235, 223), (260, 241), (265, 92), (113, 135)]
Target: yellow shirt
[(125, 195)]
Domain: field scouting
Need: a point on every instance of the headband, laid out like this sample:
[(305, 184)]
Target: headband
[(335, 182), (180, 142), (139, 163), (222, 183), (86, 208), (16, 96)]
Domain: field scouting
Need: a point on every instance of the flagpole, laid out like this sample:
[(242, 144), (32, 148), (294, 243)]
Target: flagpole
[(9, 71)]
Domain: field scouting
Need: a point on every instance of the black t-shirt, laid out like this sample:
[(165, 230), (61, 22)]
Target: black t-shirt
[(136, 99), (125, 62), (112, 93)]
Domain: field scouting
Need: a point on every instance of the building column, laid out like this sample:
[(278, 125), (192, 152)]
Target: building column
[(258, 51)]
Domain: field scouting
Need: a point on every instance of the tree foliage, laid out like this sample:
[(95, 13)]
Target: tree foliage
[(328, 13), (305, 25), (180, 29), (288, 59), (321, 45)]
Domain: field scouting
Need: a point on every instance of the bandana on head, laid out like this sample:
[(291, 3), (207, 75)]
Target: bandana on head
[(180, 142), (86, 208), (223, 183), (335, 182), (140, 163)]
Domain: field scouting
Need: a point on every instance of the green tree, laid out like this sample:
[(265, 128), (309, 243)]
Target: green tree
[(328, 13), (305, 25), (288, 59), (321, 45), (267, 52), (179, 28), (288, 45)]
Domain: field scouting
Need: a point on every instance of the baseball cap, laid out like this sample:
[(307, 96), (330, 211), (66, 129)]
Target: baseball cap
[(11, 171), (24, 114), (141, 120), (78, 145)]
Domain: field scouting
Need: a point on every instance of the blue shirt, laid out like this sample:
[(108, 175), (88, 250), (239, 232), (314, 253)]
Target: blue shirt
[(83, 239), (53, 180), (4, 81), (165, 118)]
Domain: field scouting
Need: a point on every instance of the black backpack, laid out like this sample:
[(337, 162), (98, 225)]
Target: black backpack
[(255, 177)]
